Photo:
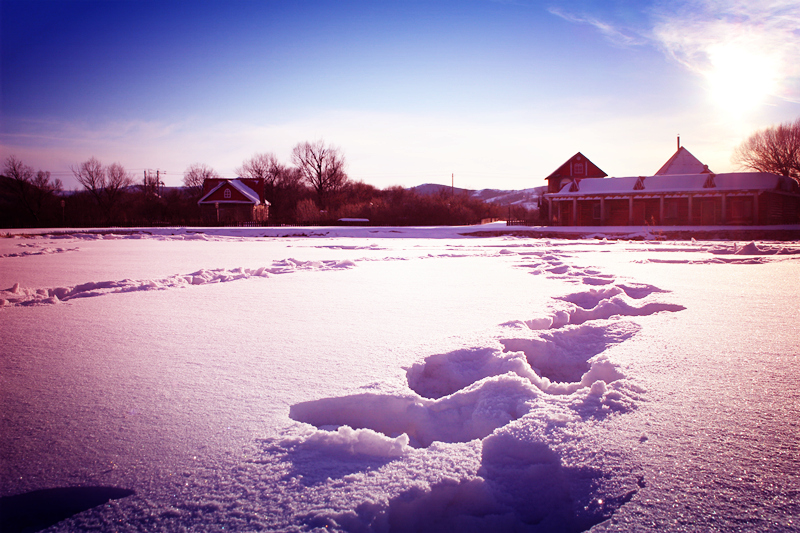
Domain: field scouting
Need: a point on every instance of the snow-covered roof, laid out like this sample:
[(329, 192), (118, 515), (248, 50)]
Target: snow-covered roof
[(245, 190), (750, 181), (673, 184), (601, 185), (682, 162), (250, 195)]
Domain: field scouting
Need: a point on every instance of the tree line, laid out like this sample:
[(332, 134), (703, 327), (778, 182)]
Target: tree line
[(313, 189)]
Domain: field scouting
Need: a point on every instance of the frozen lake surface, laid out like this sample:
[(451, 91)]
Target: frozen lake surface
[(399, 379)]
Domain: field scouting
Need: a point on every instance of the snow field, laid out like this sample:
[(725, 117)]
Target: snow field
[(471, 385)]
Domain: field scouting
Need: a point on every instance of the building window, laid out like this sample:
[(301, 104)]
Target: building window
[(227, 194), (596, 211)]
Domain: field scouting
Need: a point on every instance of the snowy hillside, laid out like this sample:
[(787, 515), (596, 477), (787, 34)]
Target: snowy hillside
[(396, 379), (528, 198)]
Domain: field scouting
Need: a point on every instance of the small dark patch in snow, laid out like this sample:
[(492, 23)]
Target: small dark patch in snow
[(40, 509)]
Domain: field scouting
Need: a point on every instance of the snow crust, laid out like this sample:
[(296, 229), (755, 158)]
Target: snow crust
[(424, 383)]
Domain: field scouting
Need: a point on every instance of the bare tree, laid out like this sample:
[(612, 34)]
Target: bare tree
[(321, 167), (195, 174), (279, 179), (261, 166), (117, 180), (32, 190), (91, 175), (775, 149), (106, 184), (17, 170), (42, 182)]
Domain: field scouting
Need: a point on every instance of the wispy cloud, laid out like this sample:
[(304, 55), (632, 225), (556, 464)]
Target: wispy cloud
[(616, 34)]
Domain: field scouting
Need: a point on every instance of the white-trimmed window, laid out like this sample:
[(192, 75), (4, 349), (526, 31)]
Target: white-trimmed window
[(227, 194)]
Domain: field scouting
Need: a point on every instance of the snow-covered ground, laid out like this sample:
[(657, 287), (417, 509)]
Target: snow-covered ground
[(401, 379)]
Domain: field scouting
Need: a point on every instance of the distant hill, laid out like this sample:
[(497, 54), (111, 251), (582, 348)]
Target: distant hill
[(528, 198)]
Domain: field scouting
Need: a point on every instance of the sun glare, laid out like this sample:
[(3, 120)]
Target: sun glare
[(739, 79)]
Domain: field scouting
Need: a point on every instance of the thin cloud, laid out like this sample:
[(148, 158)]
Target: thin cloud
[(616, 35)]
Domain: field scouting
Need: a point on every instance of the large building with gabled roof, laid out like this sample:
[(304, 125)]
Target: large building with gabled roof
[(683, 192)]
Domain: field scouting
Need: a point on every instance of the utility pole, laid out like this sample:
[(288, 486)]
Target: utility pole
[(153, 184), (159, 183), (452, 184)]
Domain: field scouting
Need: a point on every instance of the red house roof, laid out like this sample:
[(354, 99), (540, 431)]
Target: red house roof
[(233, 191), (578, 166)]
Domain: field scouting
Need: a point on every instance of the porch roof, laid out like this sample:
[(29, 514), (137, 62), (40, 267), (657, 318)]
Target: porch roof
[(675, 184)]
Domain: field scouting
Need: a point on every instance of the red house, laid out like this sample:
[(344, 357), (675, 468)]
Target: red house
[(683, 192), (238, 200)]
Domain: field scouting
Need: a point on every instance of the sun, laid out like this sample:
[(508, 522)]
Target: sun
[(740, 79)]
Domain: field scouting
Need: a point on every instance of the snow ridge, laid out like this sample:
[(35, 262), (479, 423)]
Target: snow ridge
[(20, 296), (40, 251)]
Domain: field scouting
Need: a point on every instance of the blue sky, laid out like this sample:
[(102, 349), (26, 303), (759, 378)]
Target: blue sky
[(497, 93)]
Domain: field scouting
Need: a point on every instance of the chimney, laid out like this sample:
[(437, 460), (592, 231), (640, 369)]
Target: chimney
[(679, 141)]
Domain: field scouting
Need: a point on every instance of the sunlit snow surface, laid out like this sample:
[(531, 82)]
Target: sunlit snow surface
[(368, 379)]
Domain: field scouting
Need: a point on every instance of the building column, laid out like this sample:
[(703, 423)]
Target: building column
[(574, 211), (630, 210), (661, 210), (689, 222)]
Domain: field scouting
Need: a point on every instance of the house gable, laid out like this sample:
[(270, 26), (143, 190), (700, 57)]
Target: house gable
[(576, 167)]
